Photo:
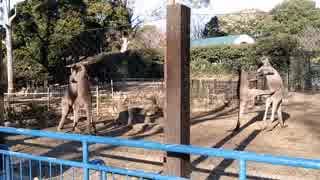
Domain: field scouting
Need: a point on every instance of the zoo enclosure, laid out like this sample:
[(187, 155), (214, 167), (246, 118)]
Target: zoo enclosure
[(205, 95), (86, 165)]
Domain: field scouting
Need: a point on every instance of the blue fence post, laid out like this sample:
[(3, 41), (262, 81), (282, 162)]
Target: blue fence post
[(85, 159), (243, 170), (8, 172), (99, 162)]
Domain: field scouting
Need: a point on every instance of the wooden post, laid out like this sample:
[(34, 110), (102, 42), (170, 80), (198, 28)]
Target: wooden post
[(171, 2), (48, 92), (97, 100), (177, 78), (112, 89)]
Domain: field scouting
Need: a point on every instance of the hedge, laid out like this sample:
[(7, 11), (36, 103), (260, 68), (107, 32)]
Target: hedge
[(226, 59), (205, 61), (145, 63)]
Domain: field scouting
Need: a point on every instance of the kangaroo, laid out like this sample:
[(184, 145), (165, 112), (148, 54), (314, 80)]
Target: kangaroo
[(78, 96), (275, 86), (69, 97), (246, 95)]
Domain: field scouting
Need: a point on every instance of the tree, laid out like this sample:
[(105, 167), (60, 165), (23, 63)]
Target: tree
[(7, 23), (2, 90), (197, 26), (243, 22), (291, 17), (43, 30), (51, 34), (212, 29), (309, 39), (149, 37)]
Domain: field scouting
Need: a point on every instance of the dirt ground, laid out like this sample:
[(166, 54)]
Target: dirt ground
[(300, 139)]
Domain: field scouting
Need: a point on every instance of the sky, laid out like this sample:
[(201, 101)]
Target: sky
[(143, 8), (216, 6)]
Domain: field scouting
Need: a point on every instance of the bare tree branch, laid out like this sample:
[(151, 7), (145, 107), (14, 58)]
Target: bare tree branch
[(13, 16)]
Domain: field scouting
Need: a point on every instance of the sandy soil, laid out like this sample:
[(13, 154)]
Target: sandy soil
[(300, 139)]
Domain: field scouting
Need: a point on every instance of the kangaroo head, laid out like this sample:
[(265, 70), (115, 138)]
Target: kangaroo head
[(78, 73), (266, 68), (265, 61)]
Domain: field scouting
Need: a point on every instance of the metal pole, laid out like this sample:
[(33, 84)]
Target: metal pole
[(242, 175), (97, 100), (48, 91), (8, 174), (85, 159)]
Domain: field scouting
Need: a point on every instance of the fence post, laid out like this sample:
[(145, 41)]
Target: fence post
[(48, 92), (85, 159), (230, 87), (243, 171), (177, 79), (97, 100), (7, 168), (112, 89)]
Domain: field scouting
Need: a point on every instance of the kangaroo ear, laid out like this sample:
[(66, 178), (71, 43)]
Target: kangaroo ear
[(73, 68)]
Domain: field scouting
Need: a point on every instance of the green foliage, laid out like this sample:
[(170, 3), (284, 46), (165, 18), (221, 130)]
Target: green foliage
[(291, 17), (248, 23), (221, 59), (279, 47), (294, 15), (212, 29), (50, 34), (140, 63), (227, 59)]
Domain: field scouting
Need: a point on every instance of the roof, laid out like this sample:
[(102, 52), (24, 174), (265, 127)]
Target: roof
[(224, 40)]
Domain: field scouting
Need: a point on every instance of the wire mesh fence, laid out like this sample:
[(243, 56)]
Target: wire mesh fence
[(111, 98)]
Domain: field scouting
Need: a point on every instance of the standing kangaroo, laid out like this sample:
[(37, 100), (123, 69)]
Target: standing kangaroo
[(81, 98), (246, 95), (275, 86), (69, 98)]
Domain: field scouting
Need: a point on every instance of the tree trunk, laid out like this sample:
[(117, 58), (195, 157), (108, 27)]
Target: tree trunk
[(1, 93), (9, 58), (124, 45), (1, 106)]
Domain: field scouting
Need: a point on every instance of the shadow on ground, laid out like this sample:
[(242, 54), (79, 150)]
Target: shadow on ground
[(111, 130)]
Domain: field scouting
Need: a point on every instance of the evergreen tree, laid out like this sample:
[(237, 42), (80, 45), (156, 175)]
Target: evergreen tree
[(212, 29)]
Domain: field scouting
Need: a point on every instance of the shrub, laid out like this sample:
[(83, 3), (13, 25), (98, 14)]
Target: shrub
[(226, 59), (146, 63)]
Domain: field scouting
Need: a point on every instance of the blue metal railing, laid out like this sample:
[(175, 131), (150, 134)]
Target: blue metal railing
[(241, 156)]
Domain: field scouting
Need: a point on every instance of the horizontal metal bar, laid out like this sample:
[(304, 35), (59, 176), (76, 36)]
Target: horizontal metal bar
[(114, 170), (185, 149), (41, 158), (133, 173)]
